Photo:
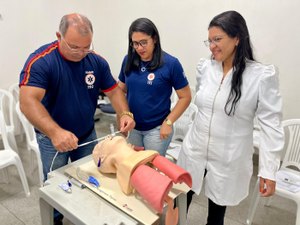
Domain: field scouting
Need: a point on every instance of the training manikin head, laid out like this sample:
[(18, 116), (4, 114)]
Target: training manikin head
[(117, 156), (111, 152)]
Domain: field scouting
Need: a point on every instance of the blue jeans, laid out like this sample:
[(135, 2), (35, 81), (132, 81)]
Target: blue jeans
[(150, 140), (48, 152)]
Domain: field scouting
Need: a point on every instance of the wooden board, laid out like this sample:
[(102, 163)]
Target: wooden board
[(110, 190)]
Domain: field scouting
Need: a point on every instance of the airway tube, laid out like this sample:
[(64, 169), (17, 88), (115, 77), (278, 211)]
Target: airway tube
[(151, 185), (175, 172)]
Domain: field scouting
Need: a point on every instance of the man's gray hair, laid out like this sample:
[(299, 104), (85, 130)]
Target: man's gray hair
[(81, 22)]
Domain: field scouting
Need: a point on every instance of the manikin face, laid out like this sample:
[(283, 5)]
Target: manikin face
[(110, 151), (143, 44), (74, 46), (222, 46)]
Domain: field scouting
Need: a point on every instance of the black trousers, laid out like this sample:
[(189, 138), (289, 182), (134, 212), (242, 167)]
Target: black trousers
[(216, 213)]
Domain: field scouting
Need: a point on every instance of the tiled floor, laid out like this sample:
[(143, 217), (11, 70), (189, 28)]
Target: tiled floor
[(17, 209)]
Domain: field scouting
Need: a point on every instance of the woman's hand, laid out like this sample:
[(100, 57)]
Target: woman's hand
[(266, 187)]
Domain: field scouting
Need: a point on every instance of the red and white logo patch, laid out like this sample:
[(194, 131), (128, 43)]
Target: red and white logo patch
[(151, 76)]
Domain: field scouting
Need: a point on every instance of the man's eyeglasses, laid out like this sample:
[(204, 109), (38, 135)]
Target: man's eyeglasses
[(136, 44), (77, 50), (216, 40)]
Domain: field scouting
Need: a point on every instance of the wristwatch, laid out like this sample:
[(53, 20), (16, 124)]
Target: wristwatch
[(168, 122)]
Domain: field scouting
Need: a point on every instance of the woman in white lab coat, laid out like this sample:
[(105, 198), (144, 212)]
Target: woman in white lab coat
[(232, 90)]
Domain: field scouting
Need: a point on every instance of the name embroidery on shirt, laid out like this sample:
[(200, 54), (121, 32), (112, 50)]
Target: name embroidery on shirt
[(90, 79), (150, 77)]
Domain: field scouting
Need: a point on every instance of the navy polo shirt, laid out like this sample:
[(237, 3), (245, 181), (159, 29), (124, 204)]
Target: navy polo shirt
[(72, 88), (149, 92)]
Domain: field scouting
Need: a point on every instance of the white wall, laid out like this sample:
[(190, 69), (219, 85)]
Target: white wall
[(273, 24)]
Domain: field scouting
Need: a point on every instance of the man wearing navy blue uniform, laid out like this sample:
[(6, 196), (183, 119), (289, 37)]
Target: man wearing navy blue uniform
[(59, 87)]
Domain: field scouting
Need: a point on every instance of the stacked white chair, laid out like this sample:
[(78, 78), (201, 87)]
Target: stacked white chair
[(7, 107), (181, 127), (290, 167), (15, 90), (8, 156), (31, 141), (183, 123)]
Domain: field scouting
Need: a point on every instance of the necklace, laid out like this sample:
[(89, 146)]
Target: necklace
[(144, 66)]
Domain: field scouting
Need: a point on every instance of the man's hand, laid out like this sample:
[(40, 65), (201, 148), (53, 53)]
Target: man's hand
[(126, 123), (64, 140), (266, 187)]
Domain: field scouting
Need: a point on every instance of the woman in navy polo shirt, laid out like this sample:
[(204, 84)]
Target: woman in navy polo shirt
[(147, 76)]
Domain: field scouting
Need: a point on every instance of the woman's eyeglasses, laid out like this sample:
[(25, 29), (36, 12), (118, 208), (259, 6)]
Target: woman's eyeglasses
[(216, 40), (142, 43)]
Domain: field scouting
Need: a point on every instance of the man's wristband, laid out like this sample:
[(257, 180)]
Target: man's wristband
[(127, 113)]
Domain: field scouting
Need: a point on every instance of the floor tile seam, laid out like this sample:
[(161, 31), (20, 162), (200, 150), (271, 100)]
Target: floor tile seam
[(14, 215)]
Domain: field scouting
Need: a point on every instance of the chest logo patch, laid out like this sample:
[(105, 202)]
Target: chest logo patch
[(90, 79), (150, 77)]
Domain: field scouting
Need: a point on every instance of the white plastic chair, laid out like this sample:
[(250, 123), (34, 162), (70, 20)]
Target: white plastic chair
[(181, 127), (182, 124), (7, 106), (15, 91), (174, 97), (290, 165), (9, 157), (31, 142)]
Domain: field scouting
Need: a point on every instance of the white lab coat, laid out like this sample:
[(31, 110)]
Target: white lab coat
[(223, 145)]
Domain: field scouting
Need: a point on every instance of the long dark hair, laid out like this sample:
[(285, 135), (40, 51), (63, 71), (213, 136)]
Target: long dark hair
[(146, 26), (234, 25)]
